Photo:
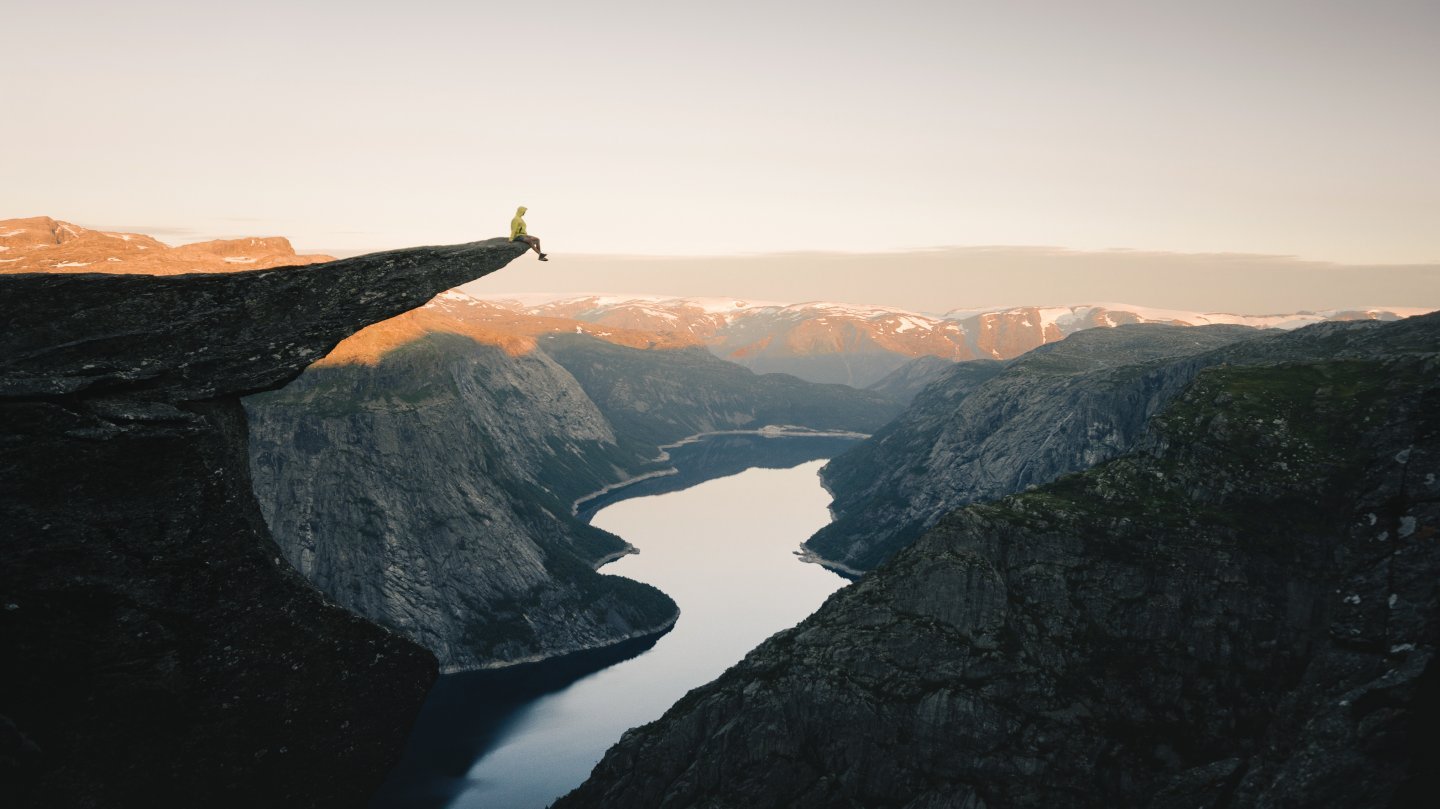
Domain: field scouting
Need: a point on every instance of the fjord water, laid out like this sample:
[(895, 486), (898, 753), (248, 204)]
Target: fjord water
[(724, 549)]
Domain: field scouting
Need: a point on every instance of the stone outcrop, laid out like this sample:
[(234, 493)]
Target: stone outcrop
[(159, 650), (1241, 612), (428, 492)]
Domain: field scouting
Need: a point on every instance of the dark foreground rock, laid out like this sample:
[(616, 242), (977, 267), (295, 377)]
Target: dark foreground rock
[(158, 650), (1243, 612)]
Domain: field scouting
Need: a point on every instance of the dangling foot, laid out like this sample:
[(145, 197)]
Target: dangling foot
[(543, 257)]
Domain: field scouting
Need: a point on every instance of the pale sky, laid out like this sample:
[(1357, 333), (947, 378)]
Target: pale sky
[(940, 280), (1303, 128)]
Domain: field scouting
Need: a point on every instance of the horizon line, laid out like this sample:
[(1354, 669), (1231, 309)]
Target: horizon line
[(821, 253), (556, 296), (1033, 249)]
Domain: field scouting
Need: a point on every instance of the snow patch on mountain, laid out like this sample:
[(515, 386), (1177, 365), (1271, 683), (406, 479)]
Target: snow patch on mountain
[(457, 296), (725, 306), (911, 322), (1072, 318)]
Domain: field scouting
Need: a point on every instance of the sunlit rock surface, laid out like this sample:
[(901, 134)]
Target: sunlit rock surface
[(43, 244), (856, 344)]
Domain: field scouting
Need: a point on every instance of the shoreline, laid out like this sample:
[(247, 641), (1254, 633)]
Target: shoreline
[(810, 557), (610, 557), (620, 484), (476, 704), (639, 634), (768, 431)]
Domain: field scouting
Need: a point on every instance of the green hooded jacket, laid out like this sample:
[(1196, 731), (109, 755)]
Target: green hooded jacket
[(517, 225)]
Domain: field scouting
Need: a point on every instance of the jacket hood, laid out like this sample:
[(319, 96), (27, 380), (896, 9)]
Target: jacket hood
[(520, 211)]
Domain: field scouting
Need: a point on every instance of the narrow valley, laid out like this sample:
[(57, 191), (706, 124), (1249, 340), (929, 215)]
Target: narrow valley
[(523, 737)]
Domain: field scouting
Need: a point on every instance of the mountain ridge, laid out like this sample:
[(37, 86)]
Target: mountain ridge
[(860, 344), (978, 432), (43, 244)]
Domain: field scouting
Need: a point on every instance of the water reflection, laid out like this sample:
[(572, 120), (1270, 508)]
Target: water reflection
[(724, 550), (467, 714)]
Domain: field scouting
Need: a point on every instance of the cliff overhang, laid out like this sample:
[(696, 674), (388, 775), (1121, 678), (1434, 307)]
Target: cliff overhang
[(161, 652), (201, 336)]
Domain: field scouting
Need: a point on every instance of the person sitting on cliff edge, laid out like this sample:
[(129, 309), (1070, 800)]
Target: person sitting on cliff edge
[(517, 232)]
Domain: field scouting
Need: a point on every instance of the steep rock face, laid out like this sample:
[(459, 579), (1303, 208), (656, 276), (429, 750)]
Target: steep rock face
[(161, 651), (1244, 612), (989, 429), (431, 492)]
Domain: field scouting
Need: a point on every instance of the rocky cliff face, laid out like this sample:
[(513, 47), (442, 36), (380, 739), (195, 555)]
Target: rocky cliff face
[(424, 475), (160, 651), (1243, 612), (431, 492), (988, 429)]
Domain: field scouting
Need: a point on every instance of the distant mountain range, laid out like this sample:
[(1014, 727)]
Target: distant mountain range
[(42, 244), (859, 345)]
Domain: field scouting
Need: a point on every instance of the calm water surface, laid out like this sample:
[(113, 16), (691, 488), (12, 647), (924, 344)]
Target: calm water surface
[(723, 549)]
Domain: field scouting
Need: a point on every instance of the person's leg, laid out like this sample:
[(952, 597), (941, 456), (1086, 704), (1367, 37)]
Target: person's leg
[(535, 243)]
